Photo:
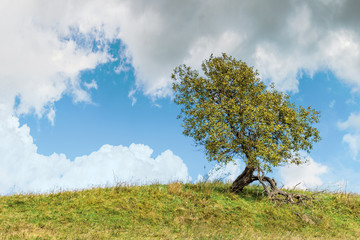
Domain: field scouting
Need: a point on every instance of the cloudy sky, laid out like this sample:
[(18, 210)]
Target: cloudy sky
[(85, 97)]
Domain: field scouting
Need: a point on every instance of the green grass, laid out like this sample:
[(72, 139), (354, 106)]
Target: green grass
[(176, 211)]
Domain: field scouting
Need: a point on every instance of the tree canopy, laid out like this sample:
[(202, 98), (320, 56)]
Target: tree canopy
[(233, 114)]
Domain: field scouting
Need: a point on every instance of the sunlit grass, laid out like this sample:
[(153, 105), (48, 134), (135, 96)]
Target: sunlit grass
[(176, 211)]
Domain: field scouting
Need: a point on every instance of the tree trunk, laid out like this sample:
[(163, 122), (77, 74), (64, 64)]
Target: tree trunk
[(245, 178)]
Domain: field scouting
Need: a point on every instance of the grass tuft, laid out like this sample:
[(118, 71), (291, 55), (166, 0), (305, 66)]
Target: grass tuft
[(176, 211)]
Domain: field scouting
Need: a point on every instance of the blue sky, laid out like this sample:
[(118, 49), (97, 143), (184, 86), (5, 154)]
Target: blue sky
[(86, 89), (112, 118)]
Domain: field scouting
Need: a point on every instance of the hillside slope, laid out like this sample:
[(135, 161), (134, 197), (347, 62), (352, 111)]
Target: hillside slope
[(176, 211)]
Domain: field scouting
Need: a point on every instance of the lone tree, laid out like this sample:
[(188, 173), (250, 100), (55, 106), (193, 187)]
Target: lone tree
[(233, 114)]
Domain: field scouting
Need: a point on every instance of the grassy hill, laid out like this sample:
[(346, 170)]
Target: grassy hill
[(176, 211)]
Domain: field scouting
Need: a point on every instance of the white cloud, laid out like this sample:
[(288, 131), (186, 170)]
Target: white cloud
[(352, 139), (201, 49), (222, 172), (352, 123), (46, 45), (91, 85), (279, 38), (51, 116), (132, 97), (306, 175), (132, 164), (40, 59), (24, 170)]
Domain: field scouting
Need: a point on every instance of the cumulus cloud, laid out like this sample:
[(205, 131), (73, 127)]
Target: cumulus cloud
[(24, 170), (41, 58), (46, 45), (303, 176), (280, 38)]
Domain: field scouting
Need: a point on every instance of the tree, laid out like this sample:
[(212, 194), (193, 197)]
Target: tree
[(233, 114)]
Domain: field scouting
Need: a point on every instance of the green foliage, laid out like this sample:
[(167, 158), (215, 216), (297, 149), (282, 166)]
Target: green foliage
[(176, 211), (232, 113)]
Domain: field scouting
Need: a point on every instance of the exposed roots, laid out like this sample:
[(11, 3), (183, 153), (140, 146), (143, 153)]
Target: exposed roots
[(270, 187), (279, 195), (275, 194)]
